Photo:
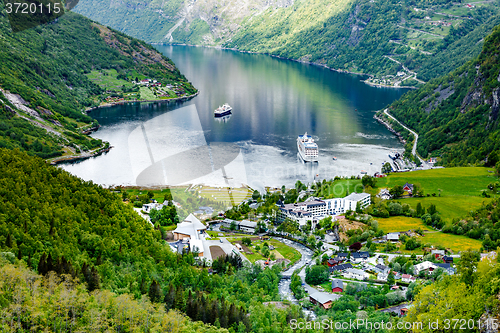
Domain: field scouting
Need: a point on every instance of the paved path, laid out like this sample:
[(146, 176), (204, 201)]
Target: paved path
[(414, 149)]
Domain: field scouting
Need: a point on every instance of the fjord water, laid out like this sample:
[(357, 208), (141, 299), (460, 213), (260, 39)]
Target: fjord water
[(273, 101)]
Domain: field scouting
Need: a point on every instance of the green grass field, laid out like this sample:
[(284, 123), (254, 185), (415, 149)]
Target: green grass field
[(279, 249), (459, 188), (450, 241), (401, 223), (147, 94), (107, 79), (463, 181), (236, 195)]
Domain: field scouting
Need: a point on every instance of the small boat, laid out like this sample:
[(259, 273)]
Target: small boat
[(223, 110), (334, 158)]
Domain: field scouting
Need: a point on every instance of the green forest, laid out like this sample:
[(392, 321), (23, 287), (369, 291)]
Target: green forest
[(456, 115), (52, 221), (47, 68), (430, 38)]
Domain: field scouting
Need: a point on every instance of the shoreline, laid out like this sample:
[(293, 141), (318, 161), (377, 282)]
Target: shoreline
[(81, 157), (389, 127), (102, 150), (176, 99), (291, 59)]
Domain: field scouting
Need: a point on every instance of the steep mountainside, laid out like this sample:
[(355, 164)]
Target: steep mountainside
[(456, 116), (49, 76), (380, 38)]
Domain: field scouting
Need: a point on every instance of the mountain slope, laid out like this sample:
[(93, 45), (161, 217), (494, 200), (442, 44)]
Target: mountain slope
[(456, 116), (47, 80), (379, 38)]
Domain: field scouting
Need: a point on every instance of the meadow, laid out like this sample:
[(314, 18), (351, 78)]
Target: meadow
[(107, 79), (400, 223), (455, 191)]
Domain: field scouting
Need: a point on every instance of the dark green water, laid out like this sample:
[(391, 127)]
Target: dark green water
[(273, 101)]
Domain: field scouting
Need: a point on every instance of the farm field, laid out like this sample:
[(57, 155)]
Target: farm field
[(455, 191), (454, 242), (400, 223), (461, 181), (230, 197), (107, 79)]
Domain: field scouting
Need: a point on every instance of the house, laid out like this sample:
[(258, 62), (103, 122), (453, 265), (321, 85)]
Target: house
[(343, 255), (354, 273), (408, 188), (397, 275), (408, 278), (381, 269), (424, 266), (448, 269), (393, 237), (384, 194), (337, 286), (437, 253), (382, 277), (247, 226), (447, 259), (324, 300), (359, 256), (340, 268), (332, 262), (191, 231)]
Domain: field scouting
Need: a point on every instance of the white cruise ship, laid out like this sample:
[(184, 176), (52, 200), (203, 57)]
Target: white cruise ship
[(308, 149), (223, 110)]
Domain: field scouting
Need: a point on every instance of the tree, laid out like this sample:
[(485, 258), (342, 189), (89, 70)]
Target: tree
[(420, 210), (467, 266), (355, 246), (317, 274), (232, 226), (155, 293), (368, 181), (397, 191), (386, 168), (390, 279), (256, 195), (246, 241)]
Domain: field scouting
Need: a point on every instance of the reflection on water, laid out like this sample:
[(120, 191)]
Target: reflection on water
[(273, 101)]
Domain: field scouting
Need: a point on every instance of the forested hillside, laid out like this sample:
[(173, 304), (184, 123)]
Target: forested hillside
[(382, 38), (456, 115), (45, 85), (54, 221), (32, 303)]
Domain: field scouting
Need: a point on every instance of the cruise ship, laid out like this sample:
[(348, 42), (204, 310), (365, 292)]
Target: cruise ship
[(308, 149), (223, 110)]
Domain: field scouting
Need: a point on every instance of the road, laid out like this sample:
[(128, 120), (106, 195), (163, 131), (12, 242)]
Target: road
[(414, 149)]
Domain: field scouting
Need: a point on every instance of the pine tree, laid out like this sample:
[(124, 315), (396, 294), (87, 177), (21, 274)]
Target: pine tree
[(42, 265), (155, 292), (169, 297)]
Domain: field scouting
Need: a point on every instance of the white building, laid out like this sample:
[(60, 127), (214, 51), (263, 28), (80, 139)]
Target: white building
[(354, 273), (315, 209), (192, 230)]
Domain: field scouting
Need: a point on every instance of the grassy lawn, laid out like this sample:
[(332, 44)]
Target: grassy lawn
[(463, 181), (401, 223), (460, 188), (280, 249), (107, 79), (450, 241), (147, 94), (224, 194)]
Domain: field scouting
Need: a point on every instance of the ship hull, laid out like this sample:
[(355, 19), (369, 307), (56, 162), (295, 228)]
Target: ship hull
[(222, 114)]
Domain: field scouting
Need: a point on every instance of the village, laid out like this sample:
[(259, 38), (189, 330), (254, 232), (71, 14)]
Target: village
[(364, 263)]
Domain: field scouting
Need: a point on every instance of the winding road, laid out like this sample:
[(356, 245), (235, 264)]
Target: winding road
[(414, 149)]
